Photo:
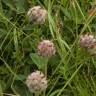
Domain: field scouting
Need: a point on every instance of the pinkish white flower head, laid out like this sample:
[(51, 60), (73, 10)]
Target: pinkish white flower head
[(37, 15), (36, 82), (46, 48), (87, 41)]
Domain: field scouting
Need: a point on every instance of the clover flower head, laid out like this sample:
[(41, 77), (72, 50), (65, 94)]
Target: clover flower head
[(46, 48), (37, 15), (36, 82), (87, 41)]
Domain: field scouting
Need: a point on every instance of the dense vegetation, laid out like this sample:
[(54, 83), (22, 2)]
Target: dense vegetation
[(71, 71)]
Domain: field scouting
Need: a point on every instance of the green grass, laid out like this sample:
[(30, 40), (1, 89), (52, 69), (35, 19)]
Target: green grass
[(72, 71)]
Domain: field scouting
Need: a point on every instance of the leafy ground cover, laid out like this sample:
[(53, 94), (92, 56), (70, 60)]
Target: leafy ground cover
[(71, 71)]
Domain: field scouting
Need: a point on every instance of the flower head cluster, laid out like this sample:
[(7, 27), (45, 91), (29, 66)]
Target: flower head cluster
[(46, 48), (88, 42), (36, 82), (37, 15)]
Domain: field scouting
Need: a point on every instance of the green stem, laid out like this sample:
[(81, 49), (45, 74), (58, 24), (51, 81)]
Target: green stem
[(37, 94), (45, 71), (45, 67)]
